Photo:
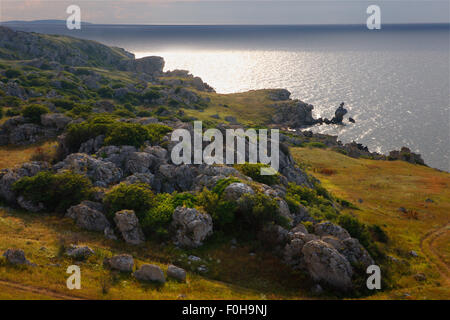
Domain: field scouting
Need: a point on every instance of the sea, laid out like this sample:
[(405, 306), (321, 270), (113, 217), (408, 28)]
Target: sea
[(395, 82)]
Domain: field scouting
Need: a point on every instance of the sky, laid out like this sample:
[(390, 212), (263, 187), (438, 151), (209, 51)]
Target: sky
[(228, 11)]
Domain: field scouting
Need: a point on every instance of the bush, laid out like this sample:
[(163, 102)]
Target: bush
[(221, 211), (253, 170), (315, 144), (157, 219), (12, 73), (1, 112), (124, 113), (257, 210), (151, 95), (127, 134), (34, 112), (12, 113), (137, 197), (116, 132), (66, 104), (57, 192), (106, 92), (11, 101)]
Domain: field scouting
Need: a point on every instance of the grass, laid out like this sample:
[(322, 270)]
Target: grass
[(380, 188), (249, 108), (11, 156)]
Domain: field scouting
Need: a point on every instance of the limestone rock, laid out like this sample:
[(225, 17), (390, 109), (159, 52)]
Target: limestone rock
[(150, 272), (191, 226), (128, 225)]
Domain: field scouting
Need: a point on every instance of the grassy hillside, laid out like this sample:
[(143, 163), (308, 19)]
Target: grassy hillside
[(383, 187), (379, 189)]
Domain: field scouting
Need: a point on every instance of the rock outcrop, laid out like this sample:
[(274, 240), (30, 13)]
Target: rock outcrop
[(88, 215), (121, 262), (128, 225), (326, 264), (191, 227), (150, 272)]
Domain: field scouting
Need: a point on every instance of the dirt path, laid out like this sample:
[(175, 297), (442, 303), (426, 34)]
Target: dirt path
[(37, 290), (432, 253)]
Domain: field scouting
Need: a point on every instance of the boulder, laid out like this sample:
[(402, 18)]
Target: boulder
[(88, 215), (57, 120), (122, 262), (191, 227), (139, 162), (176, 273), (326, 264), (103, 173), (330, 229), (356, 253), (9, 176), (79, 253), (235, 191), (29, 205), (16, 256), (150, 272), (128, 225)]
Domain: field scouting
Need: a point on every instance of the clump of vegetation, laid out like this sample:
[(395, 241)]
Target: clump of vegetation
[(315, 144), (253, 170), (244, 217), (57, 192), (13, 73), (116, 132), (137, 197), (34, 112), (132, 134)]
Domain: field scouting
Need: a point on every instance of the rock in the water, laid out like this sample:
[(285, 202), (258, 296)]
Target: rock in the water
[(128, 225), (122, 262), (88, 216), (329, 229), (79, 253), (176, 273), (16, 256), (326, 264), (150, 272), (191, 226)]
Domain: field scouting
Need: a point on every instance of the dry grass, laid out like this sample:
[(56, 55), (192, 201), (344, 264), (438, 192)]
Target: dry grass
[(380, 188), (12, 156)]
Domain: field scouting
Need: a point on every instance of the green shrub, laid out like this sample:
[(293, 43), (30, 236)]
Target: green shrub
[(127, 134), (137, 197), (315, 144), (106, 92), (222, 184), (151, 95), (257, 210), (157, 219), (156, 132), (57, 192), (13, 73), (78, 133), (34, 112), (1, 112), (124, 113), (253, 170), (66, 104), (12, 113), (221, 211), (11, 101), (81, 110)]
